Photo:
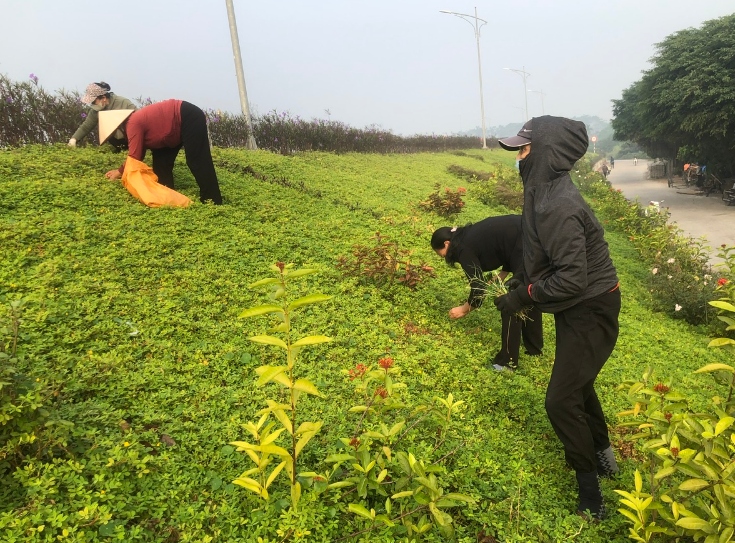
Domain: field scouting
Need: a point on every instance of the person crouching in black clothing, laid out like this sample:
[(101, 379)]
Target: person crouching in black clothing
[(485, 246)]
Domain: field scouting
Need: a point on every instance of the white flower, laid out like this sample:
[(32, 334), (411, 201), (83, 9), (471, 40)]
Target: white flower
[(669, 276), (654, 271), (670, 261), (677, 307), (707, 277)]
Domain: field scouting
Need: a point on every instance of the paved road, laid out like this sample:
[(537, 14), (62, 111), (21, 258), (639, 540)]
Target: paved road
[(696, 214)]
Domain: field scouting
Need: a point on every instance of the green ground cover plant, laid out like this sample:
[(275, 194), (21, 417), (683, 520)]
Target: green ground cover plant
[(131, 323)]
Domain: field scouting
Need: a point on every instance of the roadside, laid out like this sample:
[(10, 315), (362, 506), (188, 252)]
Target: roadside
[(697, 215)]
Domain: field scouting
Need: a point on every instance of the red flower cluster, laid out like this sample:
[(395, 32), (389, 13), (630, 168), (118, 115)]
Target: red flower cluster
[(380, 391), (661, 388), (357, 372), (461, 190), (280, 265), (674, 452), (386, 363), (354, 442), (667, 416), (722, 281)]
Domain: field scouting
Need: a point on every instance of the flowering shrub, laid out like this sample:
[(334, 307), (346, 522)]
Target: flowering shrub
[(690, 458), (681, 293), (384, 263), (681, 281), (447, 203)]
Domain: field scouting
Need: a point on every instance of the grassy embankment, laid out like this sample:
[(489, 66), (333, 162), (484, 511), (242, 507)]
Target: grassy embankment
[(97, 267)]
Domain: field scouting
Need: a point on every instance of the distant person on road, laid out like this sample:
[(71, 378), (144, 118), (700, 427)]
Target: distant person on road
[(485, 246), (635, 161), (99, 97), (605, 170), (569, 273), (164, 128), (612, 163)]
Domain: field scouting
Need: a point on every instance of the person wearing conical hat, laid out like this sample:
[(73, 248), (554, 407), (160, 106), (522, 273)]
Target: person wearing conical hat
[(99, 97), (164, 128)]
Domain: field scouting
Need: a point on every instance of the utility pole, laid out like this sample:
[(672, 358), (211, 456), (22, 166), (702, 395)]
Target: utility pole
[(476, 27), (251, 144), (524, 74)]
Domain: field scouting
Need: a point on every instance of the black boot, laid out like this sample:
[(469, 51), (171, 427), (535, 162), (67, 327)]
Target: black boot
[(590, 496), (606, 464)]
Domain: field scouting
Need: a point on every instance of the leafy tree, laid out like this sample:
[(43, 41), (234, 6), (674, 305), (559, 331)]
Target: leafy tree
[(684, 107)]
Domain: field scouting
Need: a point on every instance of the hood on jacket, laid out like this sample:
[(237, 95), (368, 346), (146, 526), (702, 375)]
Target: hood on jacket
[(557, 144)]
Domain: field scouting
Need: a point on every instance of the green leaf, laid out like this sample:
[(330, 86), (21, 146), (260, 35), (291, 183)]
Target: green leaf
[(723, 424), (300, 273), (260, 310), (441, 518), (308, 427), (304, 385), (301, 443), (341, 484), (266, 374), (275, 449), (720, 342), (269, 340), (694, 523), (247, 482), (295, 494), (709, 368), (719, 304), (271, 437), (307, 300), (459, 497), (263, 282), (691, 485), (360, 510), (385, 520), (275, 473), (665, 472), (339, 457), (311, 340), (404, 494)]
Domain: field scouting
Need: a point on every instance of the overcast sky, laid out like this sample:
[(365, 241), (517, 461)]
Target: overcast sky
[(399, 64)]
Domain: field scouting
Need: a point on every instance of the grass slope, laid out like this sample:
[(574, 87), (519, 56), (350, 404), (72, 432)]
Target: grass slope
[(133, 323)]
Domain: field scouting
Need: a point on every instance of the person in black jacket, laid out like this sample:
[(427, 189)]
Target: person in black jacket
[(570, 274), (490, 244)]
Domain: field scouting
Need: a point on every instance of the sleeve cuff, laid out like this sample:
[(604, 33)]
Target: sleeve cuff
[(524, 294)]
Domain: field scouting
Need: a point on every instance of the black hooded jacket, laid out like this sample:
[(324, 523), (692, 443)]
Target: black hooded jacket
[(565, 255)]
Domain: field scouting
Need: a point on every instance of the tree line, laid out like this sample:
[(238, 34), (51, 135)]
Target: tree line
[(683, 108)]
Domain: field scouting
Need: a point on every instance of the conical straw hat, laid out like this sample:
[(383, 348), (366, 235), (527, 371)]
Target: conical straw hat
[(111, 121)]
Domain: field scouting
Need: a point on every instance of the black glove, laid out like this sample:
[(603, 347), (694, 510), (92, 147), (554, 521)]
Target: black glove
[(513, 283), (514, 301)]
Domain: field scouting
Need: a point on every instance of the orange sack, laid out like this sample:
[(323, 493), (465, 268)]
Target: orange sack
[(142, 183)]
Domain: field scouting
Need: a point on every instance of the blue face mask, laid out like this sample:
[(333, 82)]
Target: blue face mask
[(518, 165)]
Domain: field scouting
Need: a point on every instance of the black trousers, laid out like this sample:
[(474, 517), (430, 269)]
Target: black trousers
[(195, 141), (513, 329), (585, 337)]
